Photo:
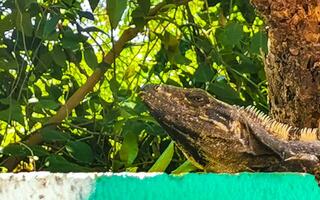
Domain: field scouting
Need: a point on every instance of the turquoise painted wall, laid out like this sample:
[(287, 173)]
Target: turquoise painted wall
[(208, 186)]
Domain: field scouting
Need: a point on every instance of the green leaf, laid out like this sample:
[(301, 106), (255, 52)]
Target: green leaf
[(213, 2), (80, 151), (46, 104), (68, 2), (70, 40), (259, 41), (178, 58), (7, 23), (129, 149), (23, 150), (58, 55), (57, 163), (93, 4), (204, 73), (223, 90), (23, 23), (231, 35), (54, 91), (25, 4), (86, 14), (139, 22), (114, 86), (138, 15), (144, 5), (115, 9), (246, 9), (44, 62), (185, 167), (164, 160), (6, 60), (204, 44), (90, 56), (50, 26), (15, 150), (39, 151), (13, 112), (51, 135), (172, 82), (247, 65), (93, 29)]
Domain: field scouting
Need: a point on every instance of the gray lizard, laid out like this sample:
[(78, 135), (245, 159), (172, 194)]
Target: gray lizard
[(220, 137)]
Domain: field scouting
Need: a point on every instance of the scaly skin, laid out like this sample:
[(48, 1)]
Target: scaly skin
[(222, 138)]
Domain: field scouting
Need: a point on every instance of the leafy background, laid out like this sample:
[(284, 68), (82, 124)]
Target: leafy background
[(50, 48)]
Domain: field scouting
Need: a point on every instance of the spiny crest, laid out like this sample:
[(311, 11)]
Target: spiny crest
[(281, 130)]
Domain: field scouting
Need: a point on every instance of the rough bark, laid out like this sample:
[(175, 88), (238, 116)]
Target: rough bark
[(293, 62)]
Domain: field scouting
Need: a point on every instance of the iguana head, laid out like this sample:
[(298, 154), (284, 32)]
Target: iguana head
[(206, 129)]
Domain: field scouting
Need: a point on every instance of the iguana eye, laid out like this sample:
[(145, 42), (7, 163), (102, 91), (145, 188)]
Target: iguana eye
[(197, 98)]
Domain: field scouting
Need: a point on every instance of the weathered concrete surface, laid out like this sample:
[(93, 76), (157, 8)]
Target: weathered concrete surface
[(45, 185)]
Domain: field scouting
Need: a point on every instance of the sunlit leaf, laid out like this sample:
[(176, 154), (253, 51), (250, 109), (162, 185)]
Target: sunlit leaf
[(129, 148), (164, 160), (185, 167)]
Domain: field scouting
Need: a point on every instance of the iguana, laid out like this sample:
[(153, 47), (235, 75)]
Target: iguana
[(220, 137)]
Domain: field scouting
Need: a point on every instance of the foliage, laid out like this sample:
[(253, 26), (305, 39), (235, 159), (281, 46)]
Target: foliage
[(50, 48)]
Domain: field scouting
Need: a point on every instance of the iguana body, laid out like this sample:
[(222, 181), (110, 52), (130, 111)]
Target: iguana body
[(223, 138)]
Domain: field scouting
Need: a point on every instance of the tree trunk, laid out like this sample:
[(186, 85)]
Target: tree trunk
[(293, 62)]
